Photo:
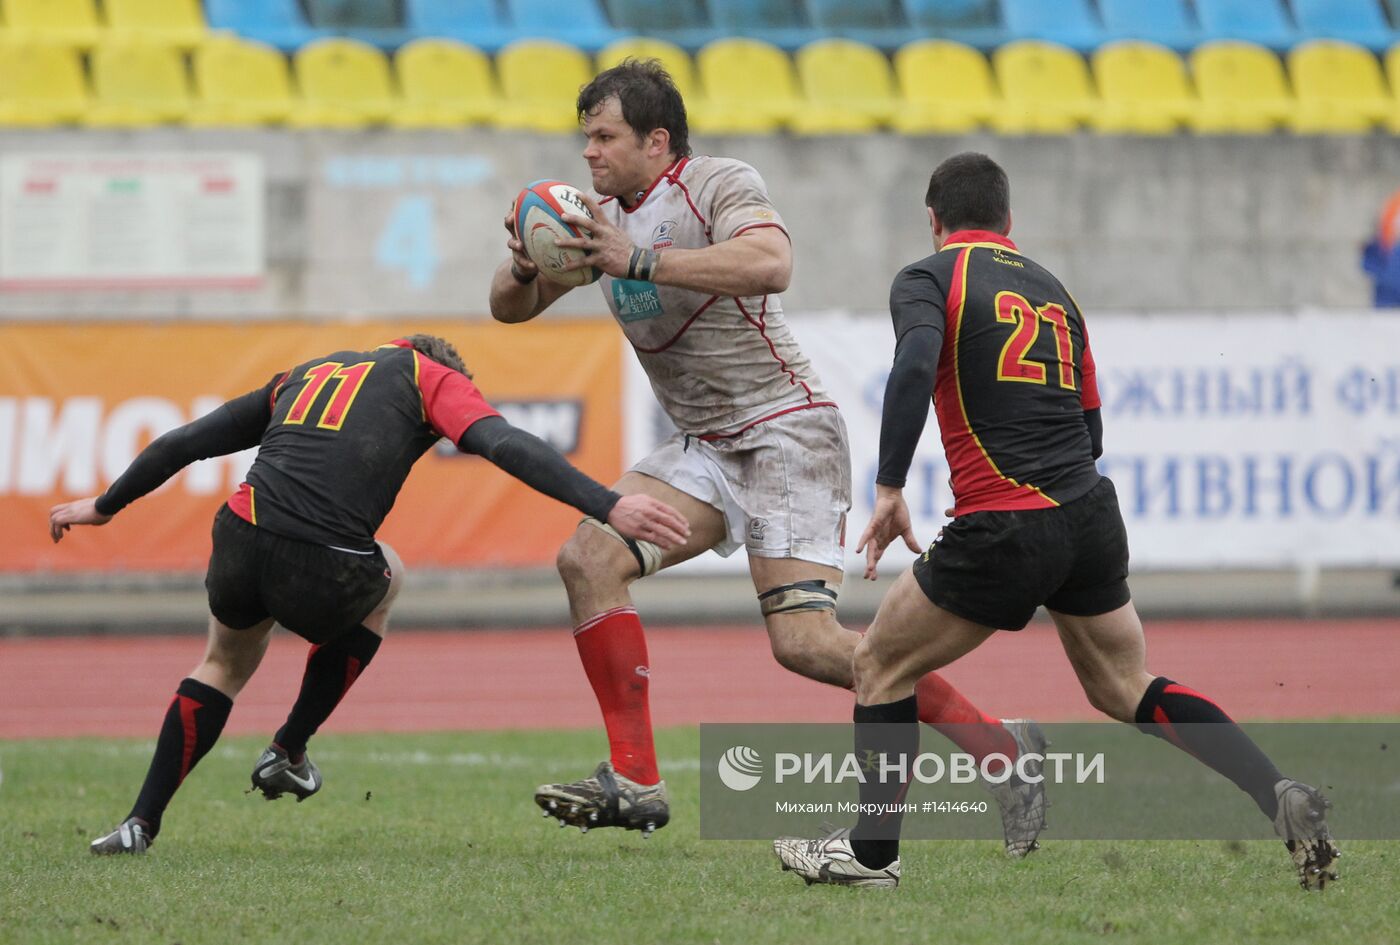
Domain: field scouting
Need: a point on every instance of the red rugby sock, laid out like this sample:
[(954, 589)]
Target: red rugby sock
[(614, 653), (961, 722)]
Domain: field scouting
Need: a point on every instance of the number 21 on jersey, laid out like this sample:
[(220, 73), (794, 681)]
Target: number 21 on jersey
[(1014, 308)]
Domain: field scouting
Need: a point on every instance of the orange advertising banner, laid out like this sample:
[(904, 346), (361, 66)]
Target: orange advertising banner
[(79, 401)]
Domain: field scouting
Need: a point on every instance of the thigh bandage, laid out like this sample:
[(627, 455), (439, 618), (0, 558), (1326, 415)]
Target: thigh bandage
[(800, 595), (647, 554)]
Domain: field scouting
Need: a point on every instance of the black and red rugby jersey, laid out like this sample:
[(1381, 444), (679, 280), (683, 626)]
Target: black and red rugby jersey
[(1015, 373), (342, 433)]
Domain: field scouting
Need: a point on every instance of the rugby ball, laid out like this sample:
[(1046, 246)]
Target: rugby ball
[(539, 212)]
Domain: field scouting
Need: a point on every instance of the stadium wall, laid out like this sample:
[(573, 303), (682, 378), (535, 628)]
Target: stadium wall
[(386, 224)]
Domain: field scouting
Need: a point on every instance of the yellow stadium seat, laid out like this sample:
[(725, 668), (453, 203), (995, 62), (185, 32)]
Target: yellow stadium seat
[(749, 86), (1339, 87), (1144, 89), (445, 84), (675, 60), (540, 82), (63, 22), (344, 84), (40, 85), (176, 22), (847, 86), (944, 87), (136, 85), (1242, 88), (1045, 89), (239, 83)]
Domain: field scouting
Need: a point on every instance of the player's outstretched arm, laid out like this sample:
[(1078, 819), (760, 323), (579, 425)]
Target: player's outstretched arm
[(538, 465), (232, 426), (757, 261), (518, 293), (889, 521)]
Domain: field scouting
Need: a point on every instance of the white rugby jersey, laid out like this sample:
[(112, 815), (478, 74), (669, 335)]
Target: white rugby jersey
[(717, 364)]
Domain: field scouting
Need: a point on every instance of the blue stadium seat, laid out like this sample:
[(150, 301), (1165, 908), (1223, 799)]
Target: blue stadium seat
[(579, 23), (1165, 22), (1262, 22), (873, 22), (1355, 21), (275, 22), (970, 22), (779, 22), (370, 21), (683, 22), (475, 22), (1071, 23)]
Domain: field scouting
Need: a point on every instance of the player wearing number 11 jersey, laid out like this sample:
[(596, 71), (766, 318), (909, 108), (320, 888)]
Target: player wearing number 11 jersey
[(295, 545), (1002, 348)]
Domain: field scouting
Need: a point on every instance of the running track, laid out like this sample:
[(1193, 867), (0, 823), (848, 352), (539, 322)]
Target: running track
[(462, 680)]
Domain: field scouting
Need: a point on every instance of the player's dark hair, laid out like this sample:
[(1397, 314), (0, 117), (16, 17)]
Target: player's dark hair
[(439, 350), (648, 97), (969, 191)]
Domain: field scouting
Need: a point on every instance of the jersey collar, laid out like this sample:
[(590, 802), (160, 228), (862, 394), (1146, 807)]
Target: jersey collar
[(672, 173), (964, 238)]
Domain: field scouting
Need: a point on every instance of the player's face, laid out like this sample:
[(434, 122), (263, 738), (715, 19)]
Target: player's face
[(616, 156)]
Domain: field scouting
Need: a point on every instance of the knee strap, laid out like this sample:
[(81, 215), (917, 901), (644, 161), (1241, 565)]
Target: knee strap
[(800, 595), (648, 555)]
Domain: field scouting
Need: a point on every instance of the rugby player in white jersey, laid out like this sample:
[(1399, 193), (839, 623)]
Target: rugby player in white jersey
[(694, 255)]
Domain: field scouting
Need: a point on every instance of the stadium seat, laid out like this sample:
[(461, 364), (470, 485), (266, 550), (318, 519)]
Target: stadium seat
[(345, 83), (176, 22), (1165, 22), (1339, 87), (475, 22), (540, 82), (1262, 22), (945, 88), (239, 83), (777, 22), (136, 85), (969, 22), (672, 58), (352, 14), (1392, 69), (683, 22), (748, 86), (445, 84), (61, 22), (1242, 88), (40, 85), (275, 22), (1144, 89), (875, 22), (580, 23), (1045, 88), (1071, 23), (847, 87), (1354, 21)]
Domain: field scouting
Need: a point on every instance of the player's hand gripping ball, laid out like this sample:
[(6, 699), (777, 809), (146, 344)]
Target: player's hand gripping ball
[(539, 212)]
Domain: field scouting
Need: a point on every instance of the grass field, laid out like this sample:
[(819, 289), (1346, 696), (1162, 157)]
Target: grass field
[(434, 838)]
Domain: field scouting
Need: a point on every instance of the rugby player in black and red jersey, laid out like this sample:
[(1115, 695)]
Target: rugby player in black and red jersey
[(1002, 348), (295, 544)]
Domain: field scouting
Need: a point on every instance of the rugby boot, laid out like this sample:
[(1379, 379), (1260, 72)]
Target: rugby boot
[(1301, 822), (275, 775), (1022, 802), (607, 799), (133, 836), (830, 859)]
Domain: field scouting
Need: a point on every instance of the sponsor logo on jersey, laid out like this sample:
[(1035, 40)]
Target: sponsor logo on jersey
[(661, 236), (636, 301)]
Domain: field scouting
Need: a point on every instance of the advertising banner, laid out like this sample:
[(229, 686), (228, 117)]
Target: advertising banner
[(1266, 440), (79, 401)]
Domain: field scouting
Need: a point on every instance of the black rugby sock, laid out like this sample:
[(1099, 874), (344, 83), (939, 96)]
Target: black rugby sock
[(192, 725), (1171, 711), (888, 730), (331, 669)]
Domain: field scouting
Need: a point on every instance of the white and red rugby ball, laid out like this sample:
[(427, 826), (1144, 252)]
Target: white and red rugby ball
[(539, 212)]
